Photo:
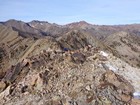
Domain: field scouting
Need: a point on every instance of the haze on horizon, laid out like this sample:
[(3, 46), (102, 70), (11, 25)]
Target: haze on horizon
[(107, 12)]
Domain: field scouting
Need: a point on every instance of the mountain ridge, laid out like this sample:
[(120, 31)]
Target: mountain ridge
[(75, 64), (103, 33)]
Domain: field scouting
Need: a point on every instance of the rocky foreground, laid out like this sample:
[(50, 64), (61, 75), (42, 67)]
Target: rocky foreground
[(87, 76)]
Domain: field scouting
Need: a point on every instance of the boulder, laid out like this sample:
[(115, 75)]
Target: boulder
[(2, 86), (117, 86)]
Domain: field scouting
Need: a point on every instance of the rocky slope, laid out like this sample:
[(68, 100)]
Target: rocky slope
[(101, 33), (14, 47), (80, 77), (24, 29), (52, 29), (126, 45), (74, 64)]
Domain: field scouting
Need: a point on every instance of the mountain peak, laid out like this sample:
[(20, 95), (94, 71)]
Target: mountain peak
[(37, 21), (83, 22), (13, 20)]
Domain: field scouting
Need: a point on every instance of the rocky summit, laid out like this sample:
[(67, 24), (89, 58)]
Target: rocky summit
[(75, 64)]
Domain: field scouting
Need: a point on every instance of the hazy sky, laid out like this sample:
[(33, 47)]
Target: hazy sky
[(66, 11)]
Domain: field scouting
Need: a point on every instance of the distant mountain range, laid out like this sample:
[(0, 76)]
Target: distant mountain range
[(122, 40)]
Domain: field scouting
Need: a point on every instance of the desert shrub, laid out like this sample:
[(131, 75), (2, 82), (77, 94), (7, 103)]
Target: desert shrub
[(126, 56), (134, 49), (122, 40), (138, 64), (2, 54)]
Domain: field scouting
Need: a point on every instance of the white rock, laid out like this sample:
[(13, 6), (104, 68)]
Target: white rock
[(113, 68), (88, 88), (32, 26), (5, 93), (104, 53), (136, 95)]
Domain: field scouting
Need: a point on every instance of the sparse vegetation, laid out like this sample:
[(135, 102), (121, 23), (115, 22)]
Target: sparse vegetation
[(138, 65), (2, 55), (134, 48)]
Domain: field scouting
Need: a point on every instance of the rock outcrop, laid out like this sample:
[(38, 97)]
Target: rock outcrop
[(50, 78)]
